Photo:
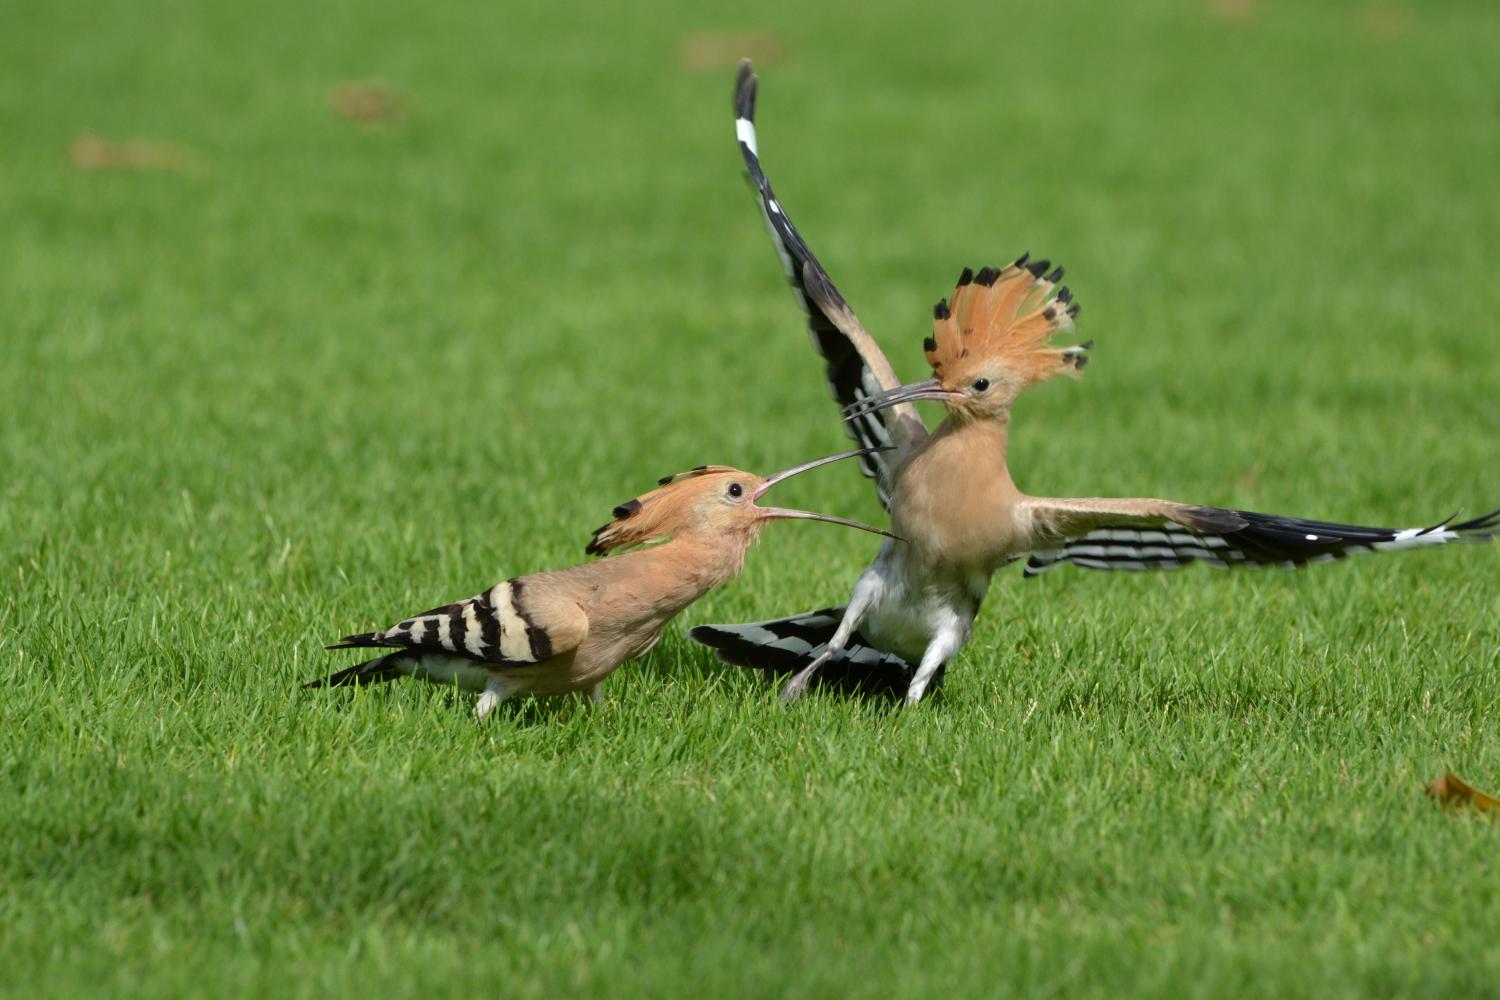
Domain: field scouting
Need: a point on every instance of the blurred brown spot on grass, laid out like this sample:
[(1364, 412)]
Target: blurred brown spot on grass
[(1233, 11), (364, 101), (1247, 479), (1384, 19), (90, 152), (1451, 790), (702, 51)]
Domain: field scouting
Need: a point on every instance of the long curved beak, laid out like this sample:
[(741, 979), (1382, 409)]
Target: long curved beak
[(773, 513), (928, 388)]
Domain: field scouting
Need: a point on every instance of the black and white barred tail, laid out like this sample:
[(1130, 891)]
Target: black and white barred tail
[(1259, 540), (382, 668), (786, 645), (492, 627)]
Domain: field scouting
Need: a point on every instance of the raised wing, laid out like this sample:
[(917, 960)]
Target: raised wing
[(1158, 534), (856, 367), (506, 626)]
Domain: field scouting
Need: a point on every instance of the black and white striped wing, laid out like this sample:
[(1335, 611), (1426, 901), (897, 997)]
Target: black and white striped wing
[(500, 627), (786, 645), (856, 367), (1235, 538)]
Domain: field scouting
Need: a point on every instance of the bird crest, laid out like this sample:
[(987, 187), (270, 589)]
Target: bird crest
[(1007, 315), (718, 498), (653, 516)]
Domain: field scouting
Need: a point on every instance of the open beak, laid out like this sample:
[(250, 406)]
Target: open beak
[(928, 388), (771, 513)]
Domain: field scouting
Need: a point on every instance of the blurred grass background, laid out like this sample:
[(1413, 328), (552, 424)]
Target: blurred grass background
[(272, 375)]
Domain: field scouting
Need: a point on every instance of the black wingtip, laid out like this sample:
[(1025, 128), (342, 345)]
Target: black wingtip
[(940, 311), (1484, 523), (1038, 268), (745, 83), (987, 276), (363, 640), (1441, 524), (1074, 309), (1065, 294), (966, 277), (929, 344), (382, 668), (629, 507), (1056, 275), (1021, 260)]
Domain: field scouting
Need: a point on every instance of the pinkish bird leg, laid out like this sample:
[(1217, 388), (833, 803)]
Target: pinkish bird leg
[(496, 691), (949, 638), (859, 604)]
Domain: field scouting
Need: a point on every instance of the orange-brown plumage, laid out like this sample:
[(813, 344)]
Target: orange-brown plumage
[(999, 327), (665, 510), (950, 493), (566, 630)]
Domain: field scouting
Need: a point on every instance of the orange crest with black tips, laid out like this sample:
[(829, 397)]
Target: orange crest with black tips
[(656, 515), (1004, 318)]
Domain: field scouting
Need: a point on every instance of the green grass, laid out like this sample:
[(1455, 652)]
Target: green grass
[(331, 374)]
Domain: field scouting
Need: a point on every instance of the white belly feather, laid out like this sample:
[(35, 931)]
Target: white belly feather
[(908, 609), (441, 669)]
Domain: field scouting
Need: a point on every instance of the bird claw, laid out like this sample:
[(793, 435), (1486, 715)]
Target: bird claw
[(797, 686)]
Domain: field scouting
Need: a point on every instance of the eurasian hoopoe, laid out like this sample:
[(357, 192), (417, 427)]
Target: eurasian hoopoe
[(566, 630), (950, 493)]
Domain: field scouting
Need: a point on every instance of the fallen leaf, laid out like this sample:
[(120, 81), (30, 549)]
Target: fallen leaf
[(701, 51), (1451, 790), (1233, 11), (1246, 480), (1384, 19), (90, 152), (364, 101)]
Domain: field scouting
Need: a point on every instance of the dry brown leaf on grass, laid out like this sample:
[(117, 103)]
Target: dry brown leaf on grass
[(1384, 20), (1233, 11), (1451, 790), (701, 51), (364, 101), (90, 152)]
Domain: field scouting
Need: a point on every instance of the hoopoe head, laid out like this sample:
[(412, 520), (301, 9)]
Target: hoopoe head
[(993, 341), (718, 500)]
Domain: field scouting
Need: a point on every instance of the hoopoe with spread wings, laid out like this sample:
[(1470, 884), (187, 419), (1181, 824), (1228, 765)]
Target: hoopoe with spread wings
[(950, 494), (567, 630)]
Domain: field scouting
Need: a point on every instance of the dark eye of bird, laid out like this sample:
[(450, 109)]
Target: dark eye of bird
[(736, 490), (981, 384)]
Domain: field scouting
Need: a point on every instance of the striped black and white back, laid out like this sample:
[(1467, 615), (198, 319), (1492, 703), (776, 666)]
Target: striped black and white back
[(1263, 540), (491, 627)]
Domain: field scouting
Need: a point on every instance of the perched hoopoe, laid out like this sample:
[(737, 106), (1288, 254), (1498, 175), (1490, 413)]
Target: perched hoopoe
[(566, 630), (950, 493)]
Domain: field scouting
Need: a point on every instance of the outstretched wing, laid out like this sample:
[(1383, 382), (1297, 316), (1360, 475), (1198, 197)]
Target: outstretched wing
[(1159, 534), (856, 368), (512, 624)]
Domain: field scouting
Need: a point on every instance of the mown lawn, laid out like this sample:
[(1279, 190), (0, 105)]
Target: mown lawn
[(297, 376)]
